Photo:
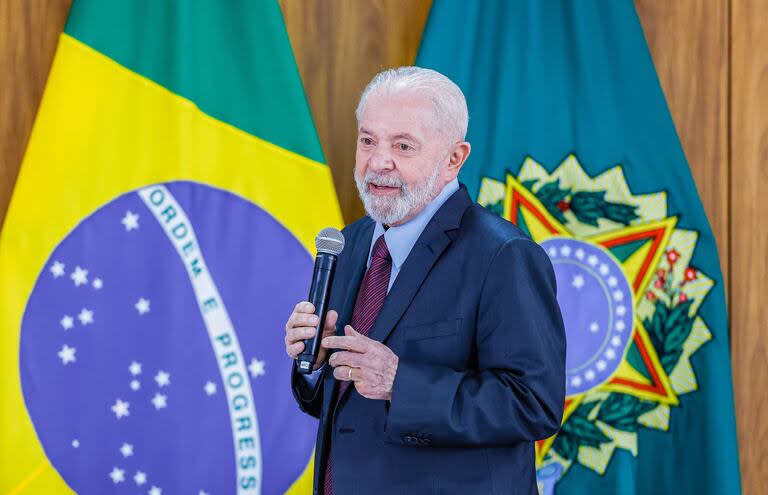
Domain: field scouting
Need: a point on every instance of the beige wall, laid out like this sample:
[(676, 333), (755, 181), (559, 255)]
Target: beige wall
[(713, 64)]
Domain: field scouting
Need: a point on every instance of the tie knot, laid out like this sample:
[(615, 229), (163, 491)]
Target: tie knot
[(380, 249)]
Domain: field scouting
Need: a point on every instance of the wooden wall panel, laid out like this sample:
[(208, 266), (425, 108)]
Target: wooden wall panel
[(710, 56), (693, 71), (339, 46), (749, 236), (29, 30)]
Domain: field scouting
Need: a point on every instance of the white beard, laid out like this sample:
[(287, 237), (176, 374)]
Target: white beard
[(390, 210)]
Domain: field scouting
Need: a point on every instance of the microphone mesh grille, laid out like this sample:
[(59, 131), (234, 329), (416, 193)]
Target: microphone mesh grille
[(329, 240)]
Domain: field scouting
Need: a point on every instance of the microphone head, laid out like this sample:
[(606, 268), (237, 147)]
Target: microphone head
[(329, 240)]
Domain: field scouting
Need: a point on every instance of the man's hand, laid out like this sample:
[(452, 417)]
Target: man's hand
[(301, 326), (367, 362)]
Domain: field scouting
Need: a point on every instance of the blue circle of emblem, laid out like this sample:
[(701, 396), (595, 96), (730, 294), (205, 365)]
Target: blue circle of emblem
[(596, 303), (152, 356)]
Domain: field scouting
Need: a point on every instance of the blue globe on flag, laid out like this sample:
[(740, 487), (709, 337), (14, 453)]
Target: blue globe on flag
[(151, 353)]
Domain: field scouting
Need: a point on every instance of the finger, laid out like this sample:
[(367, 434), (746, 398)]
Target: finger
[(351, 332), (304, 307), (299, 333), (302, 320), (357, 343), (331, 317), (295, 349), (342, 373), (346, 358)]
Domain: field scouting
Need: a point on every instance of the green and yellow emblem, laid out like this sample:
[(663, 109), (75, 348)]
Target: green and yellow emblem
[(629, 299)]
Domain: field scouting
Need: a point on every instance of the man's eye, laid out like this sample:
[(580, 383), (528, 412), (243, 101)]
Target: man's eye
[(404, 147), (366, 141)]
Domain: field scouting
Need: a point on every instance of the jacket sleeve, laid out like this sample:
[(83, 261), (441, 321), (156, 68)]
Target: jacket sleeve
[(308, 395), (517, 392)]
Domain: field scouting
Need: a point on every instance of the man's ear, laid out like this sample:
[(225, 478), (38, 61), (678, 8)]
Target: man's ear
[(458, 155)]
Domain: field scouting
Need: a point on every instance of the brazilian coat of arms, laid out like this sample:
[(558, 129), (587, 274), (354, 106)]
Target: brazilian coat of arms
[(629, 299)]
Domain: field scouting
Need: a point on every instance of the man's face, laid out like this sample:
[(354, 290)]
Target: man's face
[(399, 157)]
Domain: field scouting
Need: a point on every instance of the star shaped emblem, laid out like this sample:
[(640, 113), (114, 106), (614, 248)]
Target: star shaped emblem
[(160, 401), (130, 221), (57, 269), (142, 306), (121, 408), (67, 354), (85, 316), (163, 378), (67, 322), (117, 475), (79, 276), (256, 367)]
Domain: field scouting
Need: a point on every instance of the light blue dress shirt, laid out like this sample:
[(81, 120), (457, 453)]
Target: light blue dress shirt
[(400, 240)]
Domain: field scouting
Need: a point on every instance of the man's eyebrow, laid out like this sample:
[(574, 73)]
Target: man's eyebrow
[(405, 135), (363, 130)]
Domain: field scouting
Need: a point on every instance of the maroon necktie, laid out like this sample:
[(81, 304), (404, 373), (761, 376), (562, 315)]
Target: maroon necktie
[(370, 299)]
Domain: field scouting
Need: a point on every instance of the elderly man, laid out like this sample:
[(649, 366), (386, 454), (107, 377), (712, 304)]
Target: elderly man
[(447, 348)]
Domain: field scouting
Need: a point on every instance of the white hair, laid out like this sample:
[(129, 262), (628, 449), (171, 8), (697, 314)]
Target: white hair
[(450, 105)]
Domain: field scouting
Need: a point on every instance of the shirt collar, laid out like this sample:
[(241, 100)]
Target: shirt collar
[(400, 239)]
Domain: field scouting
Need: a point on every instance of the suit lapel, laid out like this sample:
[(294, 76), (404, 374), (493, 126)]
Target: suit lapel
[(428, 248)]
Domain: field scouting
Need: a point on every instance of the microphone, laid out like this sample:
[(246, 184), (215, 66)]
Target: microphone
[(329, 243)]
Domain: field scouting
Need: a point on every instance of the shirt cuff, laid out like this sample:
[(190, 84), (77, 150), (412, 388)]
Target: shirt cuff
[(311, 379)]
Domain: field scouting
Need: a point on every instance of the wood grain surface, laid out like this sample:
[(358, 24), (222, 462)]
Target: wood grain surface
[(749, 237), (29, 30), (712, 64), (339, 46)]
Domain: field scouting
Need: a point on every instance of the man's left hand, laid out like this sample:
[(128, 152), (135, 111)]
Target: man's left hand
[(368, 363)]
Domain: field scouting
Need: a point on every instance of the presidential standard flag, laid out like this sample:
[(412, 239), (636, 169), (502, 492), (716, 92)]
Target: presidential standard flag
[(160, 232), (573, 142)]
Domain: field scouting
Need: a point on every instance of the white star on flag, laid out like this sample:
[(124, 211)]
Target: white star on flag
[(121, 408), (163, 378), (202, 492), (155, 491), (603, 269), (98, 284), (142, 306), (256, 367), (210, 388), (57, 269), (160, 401), (67, 322), (135, 368), (79, 276), (593, 327), (565, 251), (135, 385), (130, 221), (592, 260), (140, 478), (578, 282), (75, 443), (117, 475), (67, 354), (126, 449), (85, 316), (580, 255)]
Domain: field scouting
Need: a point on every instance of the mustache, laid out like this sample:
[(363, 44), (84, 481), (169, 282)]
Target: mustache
[(387, 180)]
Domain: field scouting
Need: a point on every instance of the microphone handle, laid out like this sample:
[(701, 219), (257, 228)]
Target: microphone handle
[(319, 295)]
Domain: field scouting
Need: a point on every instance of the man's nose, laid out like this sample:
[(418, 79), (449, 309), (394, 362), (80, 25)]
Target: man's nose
[(381, 160)]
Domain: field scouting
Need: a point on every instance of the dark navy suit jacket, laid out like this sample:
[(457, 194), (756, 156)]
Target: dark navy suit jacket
[(475, 323)]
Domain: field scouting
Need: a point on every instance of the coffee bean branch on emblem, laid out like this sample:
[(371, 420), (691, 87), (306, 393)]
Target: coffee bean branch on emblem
[(588, 207)]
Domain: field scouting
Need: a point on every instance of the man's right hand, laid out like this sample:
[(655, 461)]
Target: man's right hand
[(301, 326)]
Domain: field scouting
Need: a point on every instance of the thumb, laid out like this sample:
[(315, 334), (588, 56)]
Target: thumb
[(330, 322)]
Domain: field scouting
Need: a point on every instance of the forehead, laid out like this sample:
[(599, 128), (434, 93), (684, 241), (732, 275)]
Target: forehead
[(394, 114)]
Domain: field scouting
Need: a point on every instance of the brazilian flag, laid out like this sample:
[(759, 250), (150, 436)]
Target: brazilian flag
[(574, 143), (160, 232)]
